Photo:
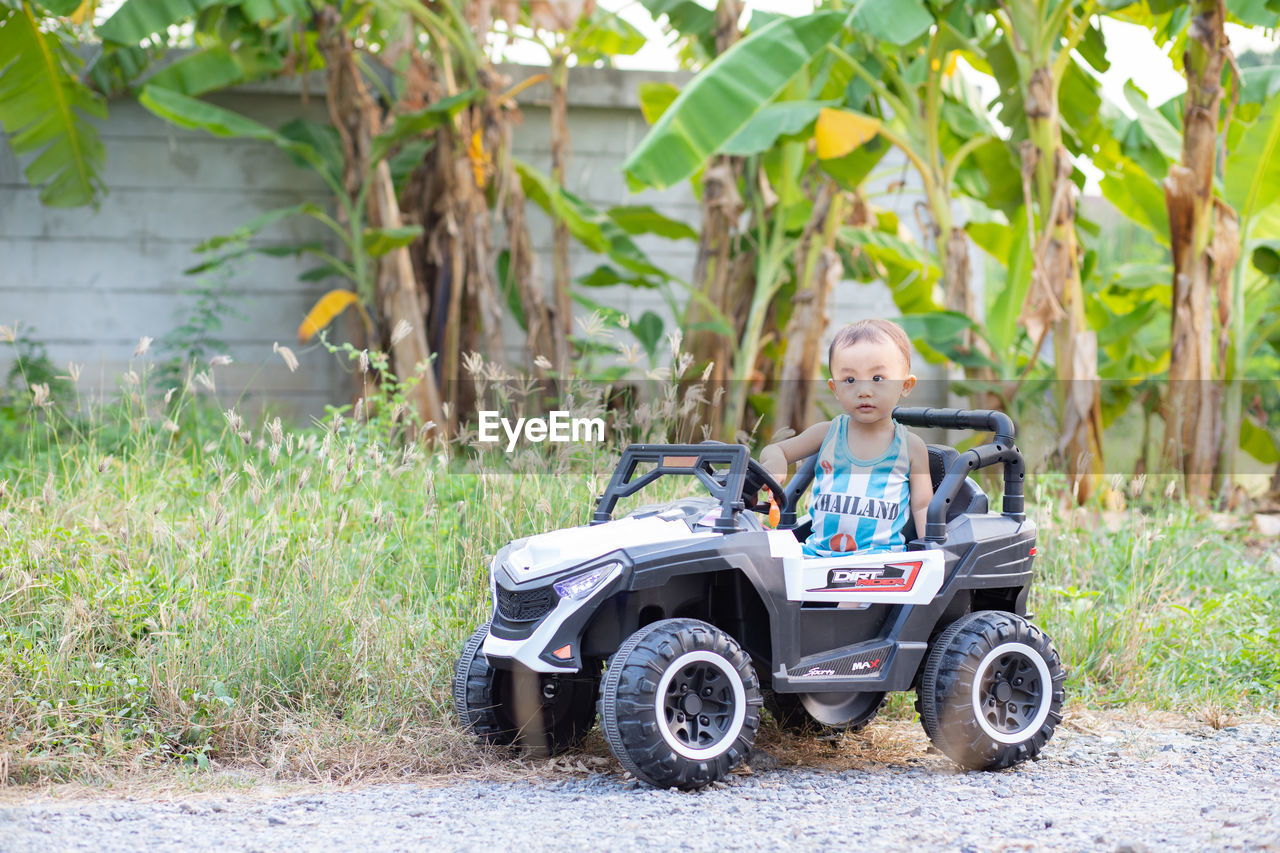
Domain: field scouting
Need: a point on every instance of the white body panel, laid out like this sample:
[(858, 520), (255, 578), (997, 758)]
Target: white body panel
[(897, 577), (549, 553)]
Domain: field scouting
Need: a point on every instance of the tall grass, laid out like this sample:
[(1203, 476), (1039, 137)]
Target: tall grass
[(1160, 605), (176, 585)]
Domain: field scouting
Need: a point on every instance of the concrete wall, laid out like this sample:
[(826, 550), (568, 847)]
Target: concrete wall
[(90, 283)]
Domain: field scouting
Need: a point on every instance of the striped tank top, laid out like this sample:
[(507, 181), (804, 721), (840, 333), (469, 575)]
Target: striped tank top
[(859, 504)]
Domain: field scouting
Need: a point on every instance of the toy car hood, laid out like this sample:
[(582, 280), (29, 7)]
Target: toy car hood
[(548, 553)]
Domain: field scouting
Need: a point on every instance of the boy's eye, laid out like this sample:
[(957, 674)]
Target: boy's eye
[(849, 380), (877, 378)]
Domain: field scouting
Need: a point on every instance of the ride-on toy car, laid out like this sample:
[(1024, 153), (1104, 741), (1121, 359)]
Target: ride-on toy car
[(677, 622)]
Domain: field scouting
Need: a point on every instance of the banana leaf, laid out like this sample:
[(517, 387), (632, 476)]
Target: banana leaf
[(1252, 181), (1157, 128), (136, 20), (722, 100), (214, 67), (199, 115), (1138, 196), (45, 110)]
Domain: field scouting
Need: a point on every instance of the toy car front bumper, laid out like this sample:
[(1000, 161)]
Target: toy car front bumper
[(552, 643)]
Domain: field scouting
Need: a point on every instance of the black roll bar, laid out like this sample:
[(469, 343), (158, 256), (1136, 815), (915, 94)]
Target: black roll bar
[(725, 486)]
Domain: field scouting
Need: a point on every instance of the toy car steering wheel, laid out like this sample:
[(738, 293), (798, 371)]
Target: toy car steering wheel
[(758, 478)]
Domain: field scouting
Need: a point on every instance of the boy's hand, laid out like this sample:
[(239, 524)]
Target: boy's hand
[(774, 462)]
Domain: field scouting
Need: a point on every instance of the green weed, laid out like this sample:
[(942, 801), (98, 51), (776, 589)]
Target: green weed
[(1158, 606)]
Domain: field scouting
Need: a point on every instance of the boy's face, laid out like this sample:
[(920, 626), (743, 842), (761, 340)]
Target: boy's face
[(869, 378)]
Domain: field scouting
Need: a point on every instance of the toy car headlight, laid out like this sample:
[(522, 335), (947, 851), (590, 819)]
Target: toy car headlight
[(580, 586)]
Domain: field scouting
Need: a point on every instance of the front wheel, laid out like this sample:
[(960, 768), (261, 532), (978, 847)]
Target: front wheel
[(544, 712), (680, 704), (992, 690)]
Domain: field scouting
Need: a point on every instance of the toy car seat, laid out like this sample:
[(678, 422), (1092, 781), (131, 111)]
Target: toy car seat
[(970, 499)]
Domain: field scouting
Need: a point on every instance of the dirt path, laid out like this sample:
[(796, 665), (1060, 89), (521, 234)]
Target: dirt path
[(1105, 786)]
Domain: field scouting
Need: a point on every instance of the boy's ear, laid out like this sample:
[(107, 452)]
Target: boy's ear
[(831, 383), (908, 384)]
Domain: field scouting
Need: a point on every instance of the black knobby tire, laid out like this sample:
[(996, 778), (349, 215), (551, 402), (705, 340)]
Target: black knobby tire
[(991, 692), (788, 711), (545, 713), (475, 695), (680, 704)]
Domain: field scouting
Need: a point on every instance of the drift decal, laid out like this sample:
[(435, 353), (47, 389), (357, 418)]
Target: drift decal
[(891, 577), (859, 577)]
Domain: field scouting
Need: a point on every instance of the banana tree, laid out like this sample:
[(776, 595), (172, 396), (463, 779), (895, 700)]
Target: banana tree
[(1212, 222), (763, 101), (905, 91), (381, 271), (1251, 185), (440, 286), (714, 318), (571, 30), (368, 241), (1041, 83), (740, 124), (45, 109), (1204, 234)]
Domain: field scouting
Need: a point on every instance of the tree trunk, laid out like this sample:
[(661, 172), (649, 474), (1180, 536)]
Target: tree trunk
[(447, 195), (820, 269), (958, 297), (1056, 297), (715, 272), (542, 343), (560, 229), (715, 279), (355, 115), (1193, 428)]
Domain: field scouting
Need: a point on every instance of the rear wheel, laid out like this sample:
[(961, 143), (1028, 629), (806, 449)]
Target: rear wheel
[(547, 713), (992, 690), (680, 704)]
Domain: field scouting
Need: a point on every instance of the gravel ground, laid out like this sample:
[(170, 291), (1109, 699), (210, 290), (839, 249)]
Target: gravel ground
[(1118, 788)]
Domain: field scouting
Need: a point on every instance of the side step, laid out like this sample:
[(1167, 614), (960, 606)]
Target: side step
[(871, 665)]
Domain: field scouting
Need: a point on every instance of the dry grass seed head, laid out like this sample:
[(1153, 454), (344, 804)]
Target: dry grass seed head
[(473, 363), (401, 331), (40, 398), (290, 360)]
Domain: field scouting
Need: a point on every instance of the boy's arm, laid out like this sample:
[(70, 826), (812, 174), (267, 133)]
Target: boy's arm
[(776, 457), (920, 482)]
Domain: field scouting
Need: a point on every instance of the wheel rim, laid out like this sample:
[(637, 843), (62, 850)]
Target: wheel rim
[(1012, 689), (700, 704)]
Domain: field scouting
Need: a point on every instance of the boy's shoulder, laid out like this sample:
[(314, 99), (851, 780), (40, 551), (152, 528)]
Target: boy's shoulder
[(916, 446)]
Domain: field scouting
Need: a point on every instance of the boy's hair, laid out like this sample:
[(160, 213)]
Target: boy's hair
[(871, 330)]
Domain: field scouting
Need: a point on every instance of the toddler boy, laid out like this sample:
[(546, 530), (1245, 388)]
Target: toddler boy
[(871, 471)]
